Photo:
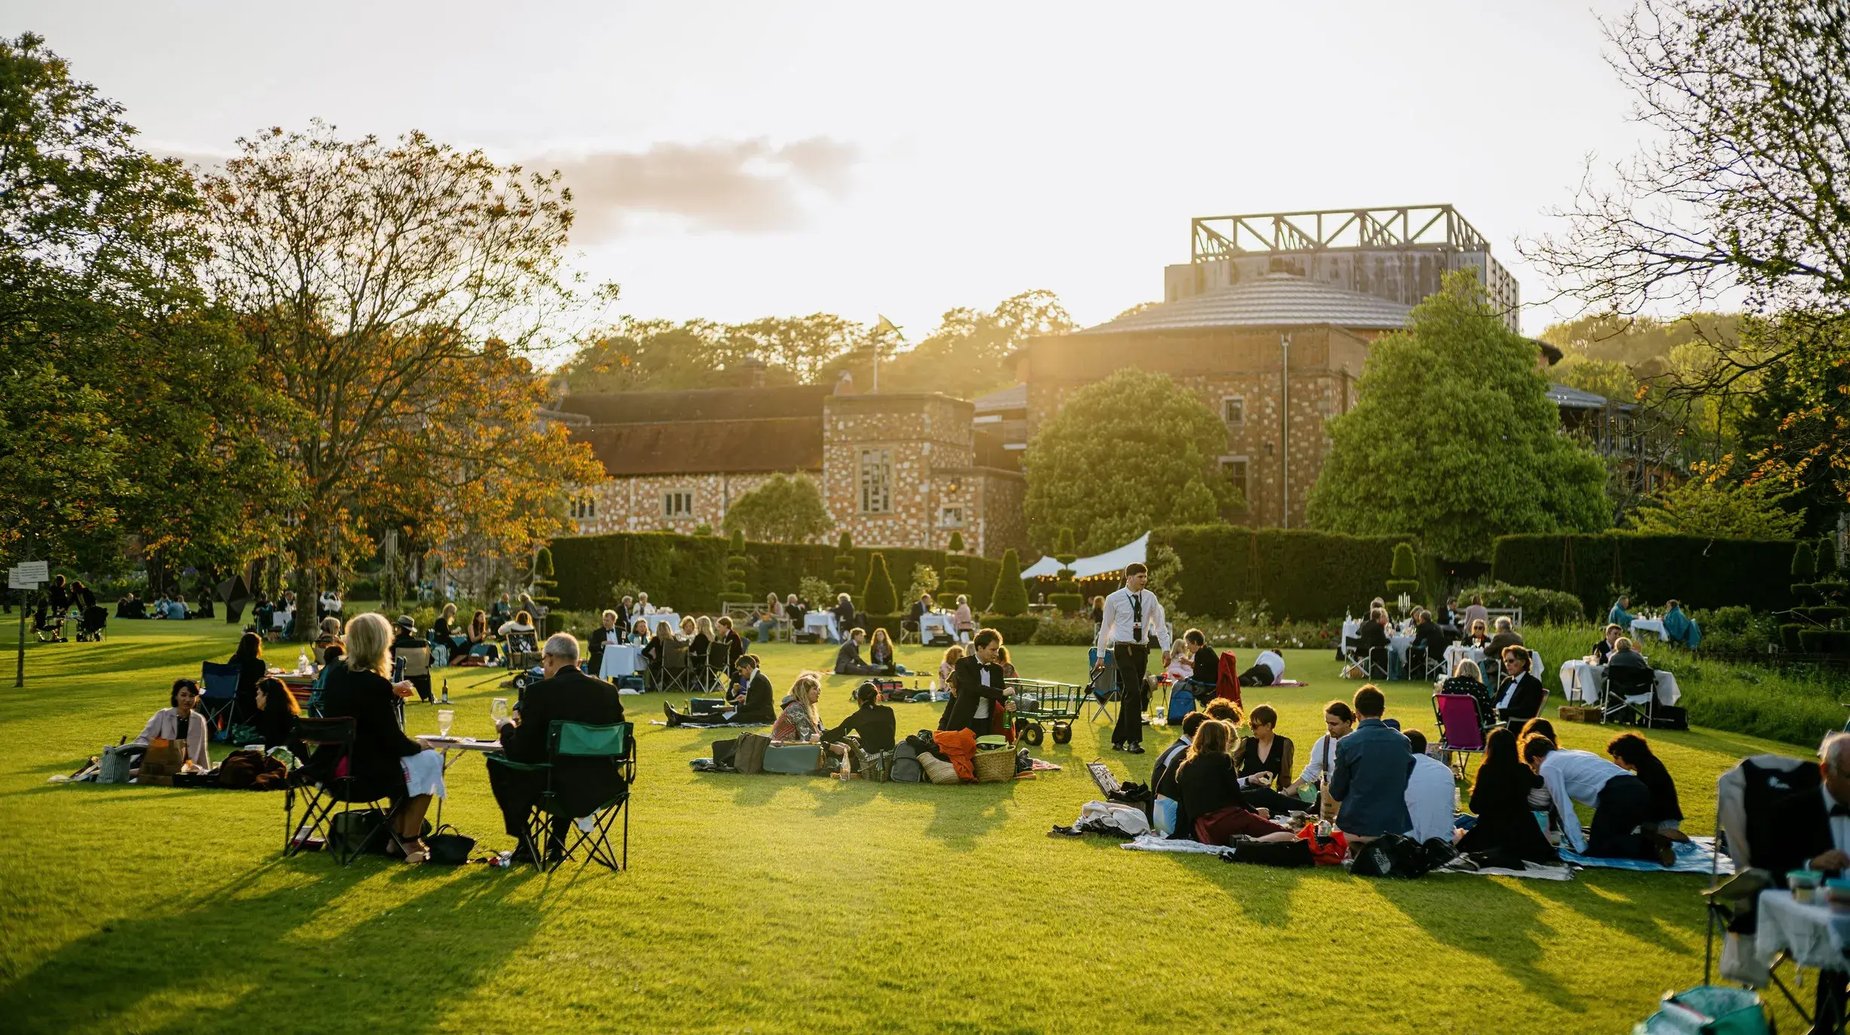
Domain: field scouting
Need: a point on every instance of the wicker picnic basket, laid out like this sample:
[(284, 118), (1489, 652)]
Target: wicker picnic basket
[(995, 765)]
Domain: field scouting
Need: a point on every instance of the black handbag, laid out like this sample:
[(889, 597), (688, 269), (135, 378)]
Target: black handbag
[(451, 849), (724, 751)]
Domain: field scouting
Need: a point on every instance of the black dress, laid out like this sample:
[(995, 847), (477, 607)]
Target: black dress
[(1505, 823), (250, 672), (379, 740)]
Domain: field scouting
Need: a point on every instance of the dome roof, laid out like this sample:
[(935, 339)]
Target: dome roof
[(1274, 300)]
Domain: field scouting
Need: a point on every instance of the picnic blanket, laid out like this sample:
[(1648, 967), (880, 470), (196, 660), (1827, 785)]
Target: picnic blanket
[(1289, 682), (685, 724), (1532, 871), (1154, 842), (1696, 856)]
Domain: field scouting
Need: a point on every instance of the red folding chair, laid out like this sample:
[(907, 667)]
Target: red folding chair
[(1461, 727)]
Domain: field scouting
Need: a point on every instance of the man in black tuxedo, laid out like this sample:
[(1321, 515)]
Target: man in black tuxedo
[(568, 694), (978, 687), (753, 704)]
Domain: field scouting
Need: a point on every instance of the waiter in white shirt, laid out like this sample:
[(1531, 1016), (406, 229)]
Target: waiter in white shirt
[(1133, 619)]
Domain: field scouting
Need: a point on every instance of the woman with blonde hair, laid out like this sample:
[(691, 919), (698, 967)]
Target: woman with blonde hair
[(655, 653), (384, 762), (964, 620), (1467, 678), (800, 722)]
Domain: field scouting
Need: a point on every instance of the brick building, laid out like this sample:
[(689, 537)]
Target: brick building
[(903, 470)]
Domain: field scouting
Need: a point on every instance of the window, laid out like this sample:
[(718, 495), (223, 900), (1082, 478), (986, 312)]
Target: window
[(584, 506), (951, 517), (677, 504), (1234, 468), (876, 481), (1233, 409)]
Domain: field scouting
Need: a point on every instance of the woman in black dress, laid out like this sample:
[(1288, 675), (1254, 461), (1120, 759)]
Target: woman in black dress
[(1633, 752), (1500, 799), (1271, 754), (251, 670)]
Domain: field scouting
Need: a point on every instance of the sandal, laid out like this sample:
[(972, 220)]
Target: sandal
[(417, 855)]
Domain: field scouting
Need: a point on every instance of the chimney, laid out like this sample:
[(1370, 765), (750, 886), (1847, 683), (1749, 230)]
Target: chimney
[(844, 385)]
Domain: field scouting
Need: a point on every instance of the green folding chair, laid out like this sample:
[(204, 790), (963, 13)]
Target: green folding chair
[(577, 740)]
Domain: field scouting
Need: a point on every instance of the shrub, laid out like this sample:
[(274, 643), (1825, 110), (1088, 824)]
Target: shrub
[(1804, 563), (956, 577), (816, 591), (1017, 629), (1061, 631), (1403, 571), (735, 572), (1736, 630), (1827, 557), (924, 581), (543, 581), (878, 596), (1824, 641), (1304, 574), (1010, 595), (845, 582), (1538, 605), (1695, 569)]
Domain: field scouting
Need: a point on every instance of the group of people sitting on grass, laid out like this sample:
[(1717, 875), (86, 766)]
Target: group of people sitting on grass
[(1372, 779)]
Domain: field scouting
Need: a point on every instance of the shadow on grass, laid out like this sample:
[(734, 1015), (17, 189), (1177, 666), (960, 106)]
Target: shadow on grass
[(1504, 928)]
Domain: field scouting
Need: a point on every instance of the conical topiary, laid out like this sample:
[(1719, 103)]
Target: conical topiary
[(735, 572), (956, 575), (542, 580), (1403, 571), (878, 597), (1010, 597), (844, 566), (1827, 558)]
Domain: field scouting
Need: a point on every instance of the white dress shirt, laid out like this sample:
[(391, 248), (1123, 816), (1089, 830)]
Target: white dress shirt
[(1116, 625), (1315, 769), (1431, 798), (1840, 825), (982, 703), (1575, 776)]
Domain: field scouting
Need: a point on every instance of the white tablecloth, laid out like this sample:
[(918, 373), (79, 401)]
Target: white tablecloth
[(1398, 642), (620, 659), (823, 622), (934, 624), (1814, 934), (656, 619), (1655, 626), (1581, 680)]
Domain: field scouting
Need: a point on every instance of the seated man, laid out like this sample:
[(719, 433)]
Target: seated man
[(919, 610), (1520, 692), (848, 660), (1428, 636), (1602, 651), (566, 693), (1372, 767), (1432, 794), (1625, 655), (1506, 636), (874, 724), (1373, 648), (751, 705), (1621, 803), (1620, 615)]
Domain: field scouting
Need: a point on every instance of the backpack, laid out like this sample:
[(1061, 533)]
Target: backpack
[(905, 767), (1391, 855), (1181, 702), (748, 753)]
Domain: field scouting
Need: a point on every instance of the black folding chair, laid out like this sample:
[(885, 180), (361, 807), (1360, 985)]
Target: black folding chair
[(1630, 696), (577, 740), (328, 782), (218, 695)]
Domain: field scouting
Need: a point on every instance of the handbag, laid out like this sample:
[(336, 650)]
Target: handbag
[(937, 770), (748, 753), (724, 751), (451, 849)]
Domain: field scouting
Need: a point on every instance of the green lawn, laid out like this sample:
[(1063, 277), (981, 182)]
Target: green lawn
[(769, 903)]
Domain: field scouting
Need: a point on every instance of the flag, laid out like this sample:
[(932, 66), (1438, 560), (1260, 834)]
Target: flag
[(885, 325)]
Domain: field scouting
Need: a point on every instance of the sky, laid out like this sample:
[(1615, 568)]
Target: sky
[(747, 159)]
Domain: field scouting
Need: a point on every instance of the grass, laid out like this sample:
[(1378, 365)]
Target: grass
[(770, 904)]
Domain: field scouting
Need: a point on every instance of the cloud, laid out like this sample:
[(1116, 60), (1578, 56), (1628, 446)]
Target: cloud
[(738, 186), (210, 161)]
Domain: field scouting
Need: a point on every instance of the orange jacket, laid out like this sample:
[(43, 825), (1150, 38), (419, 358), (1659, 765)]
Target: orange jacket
[(960, 747)]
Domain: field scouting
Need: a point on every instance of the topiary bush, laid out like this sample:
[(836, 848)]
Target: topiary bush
[(878, 596), (1010, 595), (1827, 557), (1403, 571), (542, 581), (1066, 597), (956, 576), (735, 592), (844, 566), (1062, 631), (1538, 605)]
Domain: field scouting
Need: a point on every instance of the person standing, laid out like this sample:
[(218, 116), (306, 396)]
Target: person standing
[(980, 687), (1133, 618)]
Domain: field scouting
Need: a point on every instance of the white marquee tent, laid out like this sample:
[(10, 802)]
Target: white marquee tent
[(1087, 567)]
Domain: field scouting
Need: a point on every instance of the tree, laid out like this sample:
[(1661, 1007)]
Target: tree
[(394, 292), (1454, 438), (967, 355), (1804, 563), (1796, 429), (1827, 557), (785, 509), (1152, 435), (878, 596), (1708, 504), (1739, 187), (1010, 595)]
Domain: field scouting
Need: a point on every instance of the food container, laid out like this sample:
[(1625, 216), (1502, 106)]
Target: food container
[(1838, 894), (1804, 884)]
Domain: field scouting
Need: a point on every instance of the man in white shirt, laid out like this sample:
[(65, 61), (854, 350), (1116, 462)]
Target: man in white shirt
[(1338, 722), (1432, 794), (1621, 803), (1132, 620)]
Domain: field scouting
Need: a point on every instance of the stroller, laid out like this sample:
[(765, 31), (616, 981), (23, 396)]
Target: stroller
[(48, 625), (90, 626)]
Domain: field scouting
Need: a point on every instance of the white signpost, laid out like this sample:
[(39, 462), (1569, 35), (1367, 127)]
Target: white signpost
[(26, 577)]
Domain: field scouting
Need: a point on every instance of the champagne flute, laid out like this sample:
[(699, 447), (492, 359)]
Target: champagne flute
[(498, 711), (445, 716)]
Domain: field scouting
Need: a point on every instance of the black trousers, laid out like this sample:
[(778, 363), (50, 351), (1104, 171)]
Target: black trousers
[(1624, 803), (1133, 659), (1267, 798), (516, 793)]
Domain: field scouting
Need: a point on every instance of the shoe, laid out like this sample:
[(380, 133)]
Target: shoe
[(668, 710), (520, 856), (1666, 852), (1135, 749), (1115, 746), (416, 853)]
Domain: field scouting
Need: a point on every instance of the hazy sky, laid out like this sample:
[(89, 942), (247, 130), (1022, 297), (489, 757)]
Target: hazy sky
[(735, 160)]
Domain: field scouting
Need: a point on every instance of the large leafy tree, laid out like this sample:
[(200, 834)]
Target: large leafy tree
[(785, 509), (127, 412), (1108, 464), (394, 292), (1710, 504), (1454, 439), (1796, 427)]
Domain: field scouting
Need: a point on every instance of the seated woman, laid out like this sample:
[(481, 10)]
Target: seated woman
[(655, 652), (1520, 693), (800, 723), (1467, 678), (1262, 760), (519, 632), (1625, 655), (872, 722), (1210, 806), (848, 659), (1506, 823), (964, 620), (843, 611), (1479, 636), (699, 636), (385, 762), (1002, 658), (251, 668), (179, 722), (1633, 753), (277, 712), (946, 673), (446, 632), (476, 639), (1680, 628), (327, 636), (766, 619), (880, 653)]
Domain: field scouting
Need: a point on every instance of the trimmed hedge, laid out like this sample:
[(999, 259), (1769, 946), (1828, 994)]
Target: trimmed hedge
[(690, 571), (1298, 573), (1015, 629), (1697, 570)]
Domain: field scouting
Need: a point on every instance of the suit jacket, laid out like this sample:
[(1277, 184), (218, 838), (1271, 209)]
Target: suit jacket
[(1428, 635), (1372, 766), (1526, 702), (1493, 651), (967, 680), (757, 706), (1799, 832), (572, 696), (1370, 637), (597, 641)]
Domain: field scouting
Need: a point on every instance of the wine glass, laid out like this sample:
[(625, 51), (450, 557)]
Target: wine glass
[(498, 711), (445, 716)]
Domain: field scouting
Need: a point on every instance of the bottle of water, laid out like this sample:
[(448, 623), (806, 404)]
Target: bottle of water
[(301, 661)]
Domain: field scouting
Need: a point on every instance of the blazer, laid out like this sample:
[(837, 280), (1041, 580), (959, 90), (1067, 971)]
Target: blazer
[(1493, 651), (757, 706), (1429, 636), (379, 741), (1370, 637), (1526, 702), (1372, 766), (967, 681), (570, 695), (1800, 831)]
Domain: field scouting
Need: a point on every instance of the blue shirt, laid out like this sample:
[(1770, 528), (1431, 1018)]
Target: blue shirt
[(1370, 782)]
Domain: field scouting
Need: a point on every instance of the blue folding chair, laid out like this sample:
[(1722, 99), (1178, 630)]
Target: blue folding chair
[(218, 694), (1102, 690)]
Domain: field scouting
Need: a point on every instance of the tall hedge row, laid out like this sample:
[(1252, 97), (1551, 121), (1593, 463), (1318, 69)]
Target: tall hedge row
[(1300, 574), (1701, 572), (689, 572)]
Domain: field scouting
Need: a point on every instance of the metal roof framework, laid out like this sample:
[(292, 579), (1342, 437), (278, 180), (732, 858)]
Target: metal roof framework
[(1404, 228)]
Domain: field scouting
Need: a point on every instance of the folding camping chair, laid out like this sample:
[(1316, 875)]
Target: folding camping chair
[(1227, 680), (1102, 685), (1461, 727), (1743, 816), (416, 669), (678, 668), (581, 742), (1630, 695), (522, 650), (1374, 666), (329, 782), (218, 694), (1423, 666)]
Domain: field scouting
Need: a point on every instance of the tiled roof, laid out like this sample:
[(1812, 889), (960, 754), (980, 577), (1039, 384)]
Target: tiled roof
[(1574, 399), (708, 446), (699, 404), (1014, 397), (1274, 300)]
